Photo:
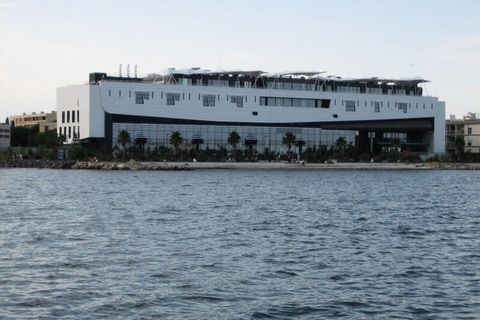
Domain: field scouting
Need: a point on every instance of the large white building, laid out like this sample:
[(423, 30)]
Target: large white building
[(262, 107)]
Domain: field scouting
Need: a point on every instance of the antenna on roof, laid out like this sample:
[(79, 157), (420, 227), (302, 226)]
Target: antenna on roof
[(128, 71), (120, 70), (135, 71)]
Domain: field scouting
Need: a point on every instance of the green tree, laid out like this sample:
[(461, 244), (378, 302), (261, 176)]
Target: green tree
[(197, 141), (288, 140), (24, 136), (233, 139), (124, 139), (176, 140), (300, 144), (341, 143), (140, 142), (250, 143), (459, 146)]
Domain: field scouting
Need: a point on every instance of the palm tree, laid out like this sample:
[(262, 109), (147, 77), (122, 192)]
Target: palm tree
[(250, 142), (300, 144), (341, 143), (176, 140), (124, 139), (197, 141), (140, 141), (288, 140), (233, 139)]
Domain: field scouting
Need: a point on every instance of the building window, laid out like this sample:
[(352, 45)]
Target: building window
[(402, 107), (68, 116), (469, 130), (140, 97), (69, 132), (171, 98), (377, 106), (78, 115), (255, 113), (209, 100), (63, 116), (294, 102), (335, 115), (109, 92), (350, 105), (469, 143), (238, 100), (129, 94), (73, 115), (152, 94), (119, 93)]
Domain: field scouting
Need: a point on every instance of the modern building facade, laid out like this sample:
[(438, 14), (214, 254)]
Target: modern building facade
[(201, 104), (45, 121), (463, 133), (5, 136)]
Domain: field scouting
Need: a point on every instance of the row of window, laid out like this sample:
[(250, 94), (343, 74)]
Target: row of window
[(71, 132), (402, 106), (208, 100), (73, 116), (5, 130), (7, 136)]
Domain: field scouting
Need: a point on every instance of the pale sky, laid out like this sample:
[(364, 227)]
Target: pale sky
[(46, 44)]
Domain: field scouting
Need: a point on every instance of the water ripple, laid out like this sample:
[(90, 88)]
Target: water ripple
[(237, 244)]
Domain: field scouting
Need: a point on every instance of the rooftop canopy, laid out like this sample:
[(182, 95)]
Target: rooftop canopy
[(320, 75)]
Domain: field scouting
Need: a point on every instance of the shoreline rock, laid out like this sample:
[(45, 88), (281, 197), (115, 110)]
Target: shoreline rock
[(154, 166), (40, 164)]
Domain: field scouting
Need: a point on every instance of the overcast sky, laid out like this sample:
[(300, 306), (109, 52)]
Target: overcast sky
[(46, 44)]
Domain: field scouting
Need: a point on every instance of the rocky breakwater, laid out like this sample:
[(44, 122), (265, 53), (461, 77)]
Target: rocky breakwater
[(40, 164), (453, 166), (131, 165)]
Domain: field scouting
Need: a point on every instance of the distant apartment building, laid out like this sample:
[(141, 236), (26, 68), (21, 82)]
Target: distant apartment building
[(4, 136), (45, 121), (463, 131)]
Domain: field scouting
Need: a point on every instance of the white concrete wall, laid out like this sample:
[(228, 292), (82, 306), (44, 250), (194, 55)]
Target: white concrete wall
[(226, 111), (74, 98)]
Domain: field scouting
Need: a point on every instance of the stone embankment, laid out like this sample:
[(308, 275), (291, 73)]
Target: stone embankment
[(131, 165), (91, 165), (453, 166), (41, 164)]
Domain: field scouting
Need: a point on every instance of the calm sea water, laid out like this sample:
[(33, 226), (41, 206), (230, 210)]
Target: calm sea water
[(239, 244)]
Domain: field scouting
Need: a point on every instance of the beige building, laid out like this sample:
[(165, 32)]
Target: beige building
[(4, 136), (45, 121), (467, 128)]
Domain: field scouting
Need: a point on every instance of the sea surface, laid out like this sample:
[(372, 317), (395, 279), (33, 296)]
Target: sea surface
[(235, 244)]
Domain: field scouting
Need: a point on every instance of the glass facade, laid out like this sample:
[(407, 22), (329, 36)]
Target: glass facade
[(215, 136)]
